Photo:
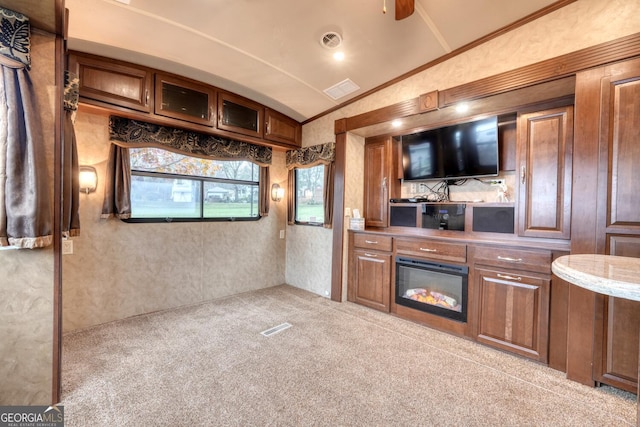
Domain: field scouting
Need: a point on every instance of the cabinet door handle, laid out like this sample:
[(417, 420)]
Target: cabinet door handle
[(371, 242), (523, 173), (370, 255), (146, 97), (505, 276), (506, 258), (428, 250), (384, 182)]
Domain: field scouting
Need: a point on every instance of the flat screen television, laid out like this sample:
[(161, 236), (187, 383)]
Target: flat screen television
[(464, 150)]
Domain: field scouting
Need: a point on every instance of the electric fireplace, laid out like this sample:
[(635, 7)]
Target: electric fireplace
[(432, 287)]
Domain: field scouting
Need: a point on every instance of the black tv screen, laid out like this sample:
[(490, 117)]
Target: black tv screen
[(459, 151)]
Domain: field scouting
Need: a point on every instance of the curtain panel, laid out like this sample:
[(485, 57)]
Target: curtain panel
[(321, 154), (126, 133), (70, 170), (25, 206)]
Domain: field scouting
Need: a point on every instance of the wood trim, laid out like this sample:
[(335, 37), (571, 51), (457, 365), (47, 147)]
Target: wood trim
[(532, 17), (58, 167), (548, 70), (338, 220)]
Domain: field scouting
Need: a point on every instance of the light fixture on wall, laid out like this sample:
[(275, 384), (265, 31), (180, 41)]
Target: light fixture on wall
[(277, 193), (88, 179)]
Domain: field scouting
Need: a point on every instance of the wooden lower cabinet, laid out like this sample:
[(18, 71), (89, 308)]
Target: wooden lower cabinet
[(513, 311), (372, 281)]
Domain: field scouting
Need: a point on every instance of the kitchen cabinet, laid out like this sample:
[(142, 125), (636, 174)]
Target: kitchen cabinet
[(544, 158), (113, 82), (431, 249), (370, 261), (381, 179), (184, 99), (512, 289), (280, 128), (240, 115)]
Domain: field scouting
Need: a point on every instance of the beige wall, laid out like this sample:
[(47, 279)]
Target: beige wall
[(579, 25), (26, 275), (120, 270)]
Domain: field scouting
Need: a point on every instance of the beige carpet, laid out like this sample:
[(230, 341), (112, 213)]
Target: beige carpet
[(339, 364)]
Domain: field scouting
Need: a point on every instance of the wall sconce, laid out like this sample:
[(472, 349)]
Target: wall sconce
[(88, 179), (277, 193)]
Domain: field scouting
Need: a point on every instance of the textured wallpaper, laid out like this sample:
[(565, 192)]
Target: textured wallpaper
[(120, 270)]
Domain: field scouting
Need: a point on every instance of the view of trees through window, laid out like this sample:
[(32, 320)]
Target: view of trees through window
[(169, 185), (309, 207)]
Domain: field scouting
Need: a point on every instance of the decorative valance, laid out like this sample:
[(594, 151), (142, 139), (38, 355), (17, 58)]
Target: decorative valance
[(135, 134), (71, 91), (310, 156), (15, 39)]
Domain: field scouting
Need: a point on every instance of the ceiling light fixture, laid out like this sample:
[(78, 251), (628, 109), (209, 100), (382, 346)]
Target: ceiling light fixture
[(338, 56), (463, 107), (396, 123)]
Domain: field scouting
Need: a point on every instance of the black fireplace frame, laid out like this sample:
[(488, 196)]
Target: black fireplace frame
[(461, 271)]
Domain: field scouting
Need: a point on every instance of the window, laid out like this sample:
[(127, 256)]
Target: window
[(166, 186), (309, 195)]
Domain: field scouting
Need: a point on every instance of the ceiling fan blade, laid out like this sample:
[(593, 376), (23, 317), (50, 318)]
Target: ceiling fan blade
[(404, 9)]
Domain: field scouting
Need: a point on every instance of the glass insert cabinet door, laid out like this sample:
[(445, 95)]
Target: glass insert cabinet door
[(240, 115), (184, 100)]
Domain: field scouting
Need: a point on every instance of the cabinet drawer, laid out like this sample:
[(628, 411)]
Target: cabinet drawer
[(432, 249), (529, 260), (373, 241)]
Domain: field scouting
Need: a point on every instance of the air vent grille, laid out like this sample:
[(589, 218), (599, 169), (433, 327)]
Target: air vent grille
[(331, 40), (341, 89)]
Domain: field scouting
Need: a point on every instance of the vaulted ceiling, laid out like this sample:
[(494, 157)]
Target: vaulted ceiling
[(271, 50)]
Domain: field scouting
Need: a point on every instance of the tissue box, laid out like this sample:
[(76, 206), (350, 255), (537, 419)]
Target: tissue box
[(356, 223)]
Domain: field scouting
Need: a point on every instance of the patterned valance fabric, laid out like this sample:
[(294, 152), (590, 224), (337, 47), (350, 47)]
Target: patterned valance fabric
[(71, 91), (134, 134), (15, 35), (314, 155)]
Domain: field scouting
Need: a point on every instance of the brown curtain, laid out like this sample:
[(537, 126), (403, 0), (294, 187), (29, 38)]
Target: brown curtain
[(70, 171), (117, 190), (291, 188), (25, 206), (264, 191), (328, 195)]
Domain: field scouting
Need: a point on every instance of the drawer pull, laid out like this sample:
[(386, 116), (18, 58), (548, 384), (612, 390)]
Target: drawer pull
[(428, 250), (370, 255), (371, 242), (504, 276), (506, 258)]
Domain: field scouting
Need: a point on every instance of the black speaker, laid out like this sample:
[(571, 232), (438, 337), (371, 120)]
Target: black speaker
[(493, 219), (403, 216)]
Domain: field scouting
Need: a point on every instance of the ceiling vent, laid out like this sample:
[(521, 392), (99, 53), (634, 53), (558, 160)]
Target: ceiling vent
[(341, 89), (331, 40)]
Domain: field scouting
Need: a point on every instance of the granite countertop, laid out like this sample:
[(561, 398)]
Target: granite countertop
[(605, 274)]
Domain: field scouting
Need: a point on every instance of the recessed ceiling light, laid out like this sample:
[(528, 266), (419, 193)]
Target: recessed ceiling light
[(124, 1), (463, 107), (338, 56), (396, 123)]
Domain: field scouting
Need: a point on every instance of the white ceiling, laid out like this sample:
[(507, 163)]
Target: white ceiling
[(270, 50)]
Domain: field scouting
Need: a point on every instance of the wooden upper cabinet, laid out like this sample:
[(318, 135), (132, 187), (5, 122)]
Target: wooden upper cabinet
[(114, 82), (184, 99), (544, 159), (280, 128), (240, 115), (380, 180)]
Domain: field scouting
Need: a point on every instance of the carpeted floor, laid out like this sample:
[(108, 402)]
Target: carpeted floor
[(339, 364)]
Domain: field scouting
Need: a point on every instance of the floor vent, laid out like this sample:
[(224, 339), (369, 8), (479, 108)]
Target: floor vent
[(276, 329)]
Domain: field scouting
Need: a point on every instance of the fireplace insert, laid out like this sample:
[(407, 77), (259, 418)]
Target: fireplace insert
[(435, 288)]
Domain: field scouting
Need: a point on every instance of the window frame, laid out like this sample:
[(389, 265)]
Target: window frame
[(295, 196), (201, 180)]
